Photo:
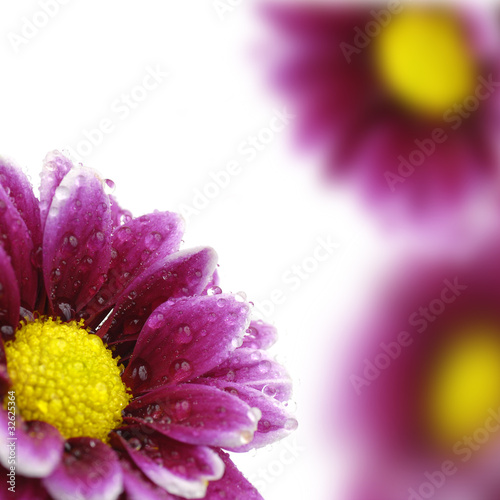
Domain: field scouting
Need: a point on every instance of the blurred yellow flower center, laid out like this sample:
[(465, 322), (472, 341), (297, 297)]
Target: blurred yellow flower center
[(464, 384), (424, 59), (65, 376)]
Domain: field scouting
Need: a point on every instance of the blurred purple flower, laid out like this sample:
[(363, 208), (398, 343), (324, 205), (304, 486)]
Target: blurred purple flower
[(425, 384), (400, 100), (129, 371)]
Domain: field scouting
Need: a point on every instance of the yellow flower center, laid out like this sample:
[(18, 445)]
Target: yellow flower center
[(464, 383), (64, 375), (425, 60)]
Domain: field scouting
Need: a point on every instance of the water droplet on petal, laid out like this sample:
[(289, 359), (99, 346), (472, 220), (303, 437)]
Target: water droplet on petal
[(291, 424), (214, 290), (109, 186), (183, 335)]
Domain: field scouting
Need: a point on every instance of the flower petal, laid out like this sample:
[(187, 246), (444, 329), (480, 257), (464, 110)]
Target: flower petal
[(89, 469), (184, 339), (38, 446), (276, 422), (181, 469), (195, 414), (55, 167), (233, 485), (17, 243), (138, 487), (256, 369), (10, 300), (260, 335), (76, 241), (181, 274), (135, 246), (20, 191), (119, 215)]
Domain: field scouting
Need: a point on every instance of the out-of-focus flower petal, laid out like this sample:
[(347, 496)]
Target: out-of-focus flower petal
[(196, 414), (89, 469), (181, 469), (38, 446), (76, 241), (184, 339)]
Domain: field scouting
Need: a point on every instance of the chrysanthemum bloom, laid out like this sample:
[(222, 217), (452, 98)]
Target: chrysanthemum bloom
[(425, 385), (124, 370), (402, 100)]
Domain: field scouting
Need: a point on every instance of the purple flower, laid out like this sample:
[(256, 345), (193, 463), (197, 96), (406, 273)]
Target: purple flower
[(424, 386), (400, 100), (124, 370)]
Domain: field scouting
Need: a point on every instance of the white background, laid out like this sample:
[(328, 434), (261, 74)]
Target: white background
[(69, 76)]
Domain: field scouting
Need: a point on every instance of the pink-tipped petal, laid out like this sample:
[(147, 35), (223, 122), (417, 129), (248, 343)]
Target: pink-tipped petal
[(196, 414), (179, 468), (20, 192), (135, 246), (55, 167), (38, 447), (255, 369), (181, 274), (76, 241), (89, 470), (276, 421), (138, 487), (260, 335), (185, 338)]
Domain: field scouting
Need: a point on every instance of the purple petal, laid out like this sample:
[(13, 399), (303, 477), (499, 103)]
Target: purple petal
[(276, 422), (119, 215), (89, 469), (181, 274), (138, 487), (20, 191), (9, 296), (256, 369), (196, 414), (260, 335), (179, 468), (38, 446), (184, 339), (55, 167), (233, 485), (136, 246), (76, 241), (17, 243)]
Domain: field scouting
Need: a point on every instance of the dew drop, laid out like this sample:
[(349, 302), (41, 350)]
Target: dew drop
[(183, 334), (291, 424), (214, 290), (109, 186)]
